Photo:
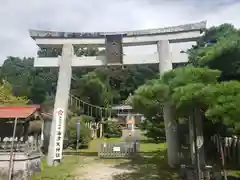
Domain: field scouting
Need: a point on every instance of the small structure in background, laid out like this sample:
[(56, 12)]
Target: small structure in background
[(129, 120), (126, 116), (20, 132)]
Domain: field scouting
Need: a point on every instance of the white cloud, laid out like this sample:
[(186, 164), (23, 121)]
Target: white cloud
[(17, 17)]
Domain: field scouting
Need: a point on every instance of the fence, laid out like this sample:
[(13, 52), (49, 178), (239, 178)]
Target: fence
[(230, 149), (118, 150)]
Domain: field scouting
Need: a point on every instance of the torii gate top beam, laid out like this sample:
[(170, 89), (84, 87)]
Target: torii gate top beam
[(175, 34)]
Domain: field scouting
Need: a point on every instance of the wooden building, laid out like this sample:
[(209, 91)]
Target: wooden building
[(19, 154)]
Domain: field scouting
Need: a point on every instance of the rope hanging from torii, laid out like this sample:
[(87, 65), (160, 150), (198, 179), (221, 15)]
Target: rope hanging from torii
[(89, 109)]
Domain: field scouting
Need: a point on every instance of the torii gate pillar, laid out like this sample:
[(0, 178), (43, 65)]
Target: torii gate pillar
[(60, 106), (165, 64)]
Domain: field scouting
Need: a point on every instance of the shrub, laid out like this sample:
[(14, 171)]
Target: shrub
[(86, 119), (71, 134), (153, 129), (112, 129)]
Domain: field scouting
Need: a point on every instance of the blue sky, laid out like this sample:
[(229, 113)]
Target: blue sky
[(17, 17)]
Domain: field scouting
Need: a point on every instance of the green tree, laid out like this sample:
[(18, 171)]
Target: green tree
[(112, 129), (92, 89), (181, 87), (6, 96), (219, 49), (223, 102), (34, 83), (148, 100)]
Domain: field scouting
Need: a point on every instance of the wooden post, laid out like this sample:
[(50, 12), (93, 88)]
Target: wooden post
[(26, 128), (11, 153), (95, 130), (238, 150), (101, 128), (191, 139), (234, 148)]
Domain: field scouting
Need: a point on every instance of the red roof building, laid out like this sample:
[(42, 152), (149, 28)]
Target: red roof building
[(8, 112)]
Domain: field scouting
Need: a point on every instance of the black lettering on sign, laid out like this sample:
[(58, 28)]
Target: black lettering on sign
[(57, 154)]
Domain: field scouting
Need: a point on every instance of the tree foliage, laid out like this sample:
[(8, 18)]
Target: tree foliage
[(6, 96), (112, 129), (224, 100), (71, 134), (199, 85), (219, 49)]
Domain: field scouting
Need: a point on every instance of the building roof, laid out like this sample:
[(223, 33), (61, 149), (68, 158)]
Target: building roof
[(25, 111)]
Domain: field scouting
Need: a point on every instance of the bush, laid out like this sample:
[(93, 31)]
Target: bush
[(86, 119), (71, 134), (153, 129), (112, 129)]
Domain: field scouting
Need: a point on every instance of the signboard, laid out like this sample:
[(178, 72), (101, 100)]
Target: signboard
[(114, 49), (58, 143), (116, 149)]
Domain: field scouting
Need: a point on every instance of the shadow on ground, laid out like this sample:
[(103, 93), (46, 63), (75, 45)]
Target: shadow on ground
[(147, 166)]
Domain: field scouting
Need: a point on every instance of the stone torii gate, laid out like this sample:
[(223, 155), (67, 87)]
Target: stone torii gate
[(113, 42)]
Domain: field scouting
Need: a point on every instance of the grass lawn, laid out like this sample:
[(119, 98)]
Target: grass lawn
[(63, 171), (151, 165)]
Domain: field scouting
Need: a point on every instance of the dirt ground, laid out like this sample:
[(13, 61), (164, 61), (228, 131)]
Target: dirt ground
[(98, 170)]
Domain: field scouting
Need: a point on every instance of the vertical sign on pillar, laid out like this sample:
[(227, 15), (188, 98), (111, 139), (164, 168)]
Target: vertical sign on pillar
[(114, 49), (58, 145)]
